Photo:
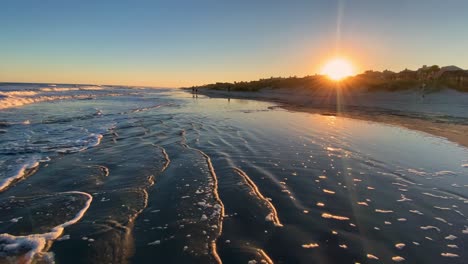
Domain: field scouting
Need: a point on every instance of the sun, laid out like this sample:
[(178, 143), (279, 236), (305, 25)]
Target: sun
[(338, 69)]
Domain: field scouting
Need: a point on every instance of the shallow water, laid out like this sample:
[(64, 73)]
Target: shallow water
[(116, 174)]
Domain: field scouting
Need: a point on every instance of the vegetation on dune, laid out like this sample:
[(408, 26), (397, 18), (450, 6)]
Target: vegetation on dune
[(407, 84), (429, 79), (272, 83)]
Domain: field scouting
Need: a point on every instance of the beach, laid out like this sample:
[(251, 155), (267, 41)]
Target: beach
[(443, 113), (144, 175)]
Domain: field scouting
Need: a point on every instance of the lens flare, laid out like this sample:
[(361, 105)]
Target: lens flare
[(338, 69)]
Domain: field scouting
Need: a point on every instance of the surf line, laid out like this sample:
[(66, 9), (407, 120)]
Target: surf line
[(23, 172), (40, 243), (166, 157), (149, 108), (273, 213), (214, 251), (265, 257)]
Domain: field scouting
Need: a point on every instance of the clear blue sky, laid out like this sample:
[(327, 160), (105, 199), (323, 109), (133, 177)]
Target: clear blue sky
[(173, 43)]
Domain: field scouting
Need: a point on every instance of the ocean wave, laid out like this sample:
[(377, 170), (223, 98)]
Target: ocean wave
[(29, 247), (36, 152), (19, 172), (90, 141), (16, 98), (69, 145)]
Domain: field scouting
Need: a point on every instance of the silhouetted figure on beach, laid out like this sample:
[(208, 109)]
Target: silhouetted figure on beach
[(423, 90)]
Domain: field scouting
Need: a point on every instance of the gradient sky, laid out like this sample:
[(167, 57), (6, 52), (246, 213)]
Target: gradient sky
[(181, 43)]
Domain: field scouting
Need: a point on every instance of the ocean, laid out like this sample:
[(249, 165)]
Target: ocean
[(113, 174)]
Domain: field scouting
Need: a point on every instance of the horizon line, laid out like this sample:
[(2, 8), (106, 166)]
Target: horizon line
[(169, 87)]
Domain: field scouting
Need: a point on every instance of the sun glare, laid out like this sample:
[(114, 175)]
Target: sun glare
[(338, 69)]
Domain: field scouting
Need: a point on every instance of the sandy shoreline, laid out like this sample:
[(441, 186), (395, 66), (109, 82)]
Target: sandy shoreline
[(443, 114)]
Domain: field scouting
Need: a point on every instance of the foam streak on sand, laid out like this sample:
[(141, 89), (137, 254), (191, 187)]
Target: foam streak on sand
[(214, 252), (430, 227), (336, 217), (39, 243), (398, 258), (166, 158), (274, 214), (383, 211), (311, 245), (449, 255), (265, 258), (435, 196), (20, 173)]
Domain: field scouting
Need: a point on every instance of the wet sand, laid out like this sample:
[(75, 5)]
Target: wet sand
[(410, 111), (161, 175)]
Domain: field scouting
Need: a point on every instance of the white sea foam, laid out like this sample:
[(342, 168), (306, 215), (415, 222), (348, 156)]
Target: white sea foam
[(398, 259), (403, 198), (383, 211), (450, 237), (154, 243), (273, 215), (417, 172), (435, 196), (311, 245), (441, 219), (9, 99), (443, 208), (465, 231), (336, 217), (38, 243), (416, 212), (400, 245), (16, 219), (20, 98), (430, 227), (18, 173), (446, 172), (85, 143), (58, 89)]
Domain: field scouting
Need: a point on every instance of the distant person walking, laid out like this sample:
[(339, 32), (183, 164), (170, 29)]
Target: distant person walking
[(423, 90)]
